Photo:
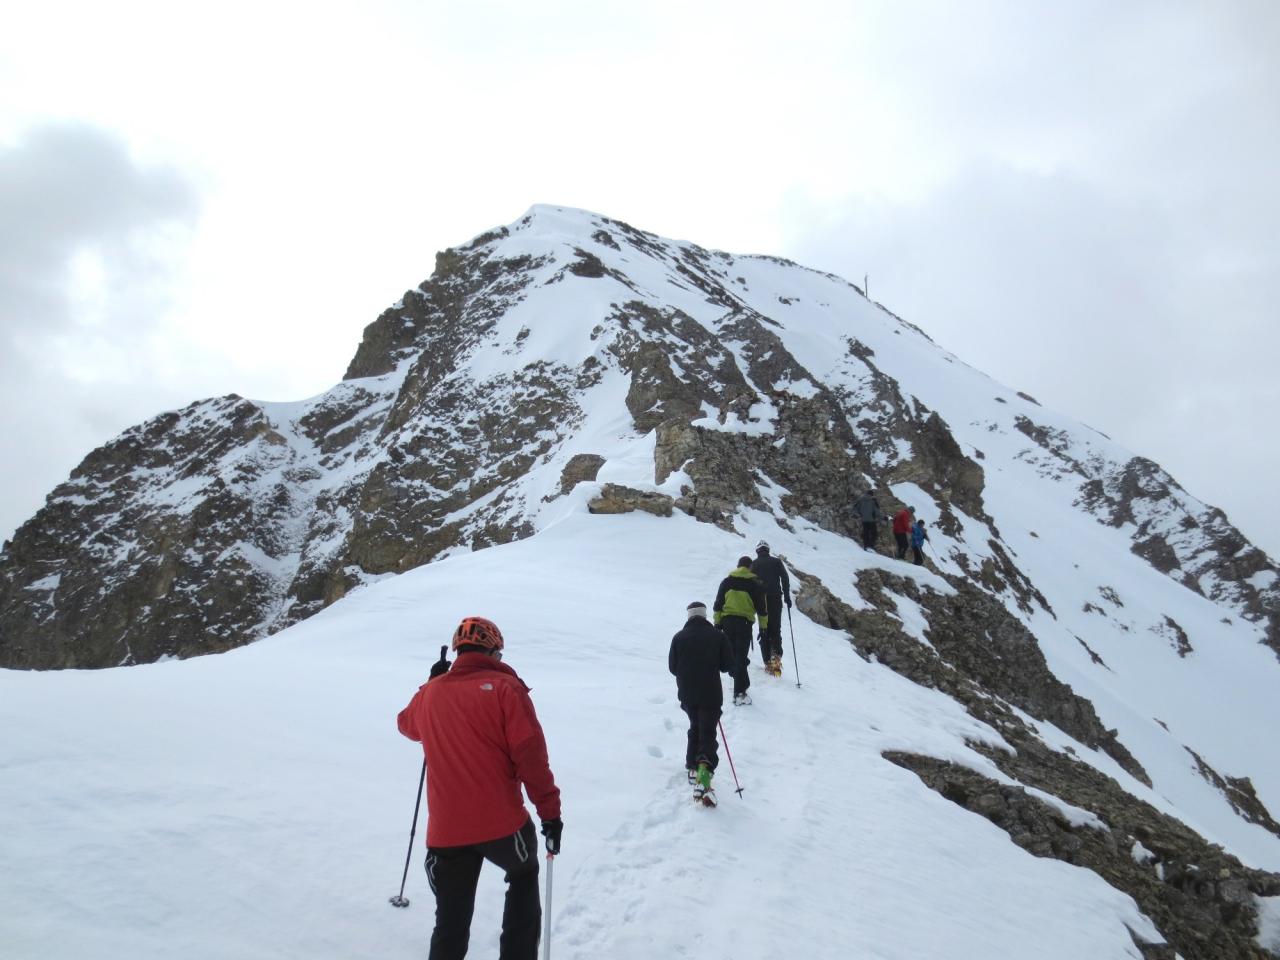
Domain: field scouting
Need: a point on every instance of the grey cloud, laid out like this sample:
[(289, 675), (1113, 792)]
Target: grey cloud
[(71, 189), (68, 381)]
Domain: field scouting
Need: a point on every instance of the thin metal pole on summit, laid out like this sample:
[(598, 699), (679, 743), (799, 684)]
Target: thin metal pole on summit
[(794, 658), (399, 900)]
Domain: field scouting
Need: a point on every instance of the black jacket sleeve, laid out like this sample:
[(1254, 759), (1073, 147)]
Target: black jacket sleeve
[(786, 581), (757, 597), (671, 655), (719, 604)]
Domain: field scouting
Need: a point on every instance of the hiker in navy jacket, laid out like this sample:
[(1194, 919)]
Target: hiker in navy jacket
[(918, 537)]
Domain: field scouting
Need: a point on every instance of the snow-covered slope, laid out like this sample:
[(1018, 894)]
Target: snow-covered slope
[(1085, 667), (257, 804)]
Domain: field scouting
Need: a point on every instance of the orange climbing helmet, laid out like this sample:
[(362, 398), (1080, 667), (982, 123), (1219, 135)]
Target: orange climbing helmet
[(479, 632)]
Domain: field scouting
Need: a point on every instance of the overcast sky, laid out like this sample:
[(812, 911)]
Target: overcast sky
[(1079, 198)]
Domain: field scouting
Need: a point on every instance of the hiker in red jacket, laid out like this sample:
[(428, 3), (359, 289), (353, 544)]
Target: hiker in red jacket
[(903, 521), (482, 740)]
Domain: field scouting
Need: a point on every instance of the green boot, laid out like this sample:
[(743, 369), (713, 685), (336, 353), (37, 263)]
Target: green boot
[(704, 776)]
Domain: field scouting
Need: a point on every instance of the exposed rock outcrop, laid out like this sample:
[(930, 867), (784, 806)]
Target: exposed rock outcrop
[(1200, 898), (615, 498), (581, 467), (977, 653)]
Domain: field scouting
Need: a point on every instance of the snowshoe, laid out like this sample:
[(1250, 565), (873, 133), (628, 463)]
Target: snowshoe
[(708, 798)]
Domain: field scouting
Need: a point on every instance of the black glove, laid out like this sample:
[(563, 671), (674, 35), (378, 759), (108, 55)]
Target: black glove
[(551, 829), (441, 666), (788, 603)]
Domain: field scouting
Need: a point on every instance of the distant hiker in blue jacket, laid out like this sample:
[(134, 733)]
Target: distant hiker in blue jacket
[(918, 537)]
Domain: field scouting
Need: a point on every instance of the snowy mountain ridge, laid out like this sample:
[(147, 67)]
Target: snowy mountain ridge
[(232, 518), (1079, 627)]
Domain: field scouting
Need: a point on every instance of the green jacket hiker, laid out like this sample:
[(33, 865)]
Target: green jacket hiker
[(740, 595), (740, 600)]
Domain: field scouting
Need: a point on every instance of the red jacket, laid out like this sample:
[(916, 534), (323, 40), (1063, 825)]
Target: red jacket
[(902, 521), (481, 739)]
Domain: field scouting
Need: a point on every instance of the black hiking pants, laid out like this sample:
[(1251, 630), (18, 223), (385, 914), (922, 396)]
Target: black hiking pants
[(771, 636), (702, 736), (453, 873), (903, 541), (738, 630), (917, 555), (870, 533)]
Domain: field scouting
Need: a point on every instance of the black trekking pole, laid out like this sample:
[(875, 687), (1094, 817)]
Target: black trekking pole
[(399, 900), (794, 658), (730, 756)]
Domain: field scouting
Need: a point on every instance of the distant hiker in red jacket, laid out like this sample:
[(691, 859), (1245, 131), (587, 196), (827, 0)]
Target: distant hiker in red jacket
[(903, 521), (482, 740)]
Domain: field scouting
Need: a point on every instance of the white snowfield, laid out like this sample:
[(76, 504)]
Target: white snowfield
[(257, 804)]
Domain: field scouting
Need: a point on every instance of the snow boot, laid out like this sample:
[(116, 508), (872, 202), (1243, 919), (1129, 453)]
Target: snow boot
[(703, 792)]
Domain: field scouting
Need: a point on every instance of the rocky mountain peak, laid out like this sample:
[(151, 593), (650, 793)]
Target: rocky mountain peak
[(572, 364)]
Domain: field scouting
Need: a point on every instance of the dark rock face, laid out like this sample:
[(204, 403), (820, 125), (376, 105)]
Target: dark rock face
[(126, 564), (465, 278), (204, 529), (1193, 544), (582, 466), (1198, 897), (980, 655), (1239, 793)]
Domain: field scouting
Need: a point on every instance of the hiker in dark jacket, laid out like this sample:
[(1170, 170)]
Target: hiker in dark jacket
[(867, 508), (777, 589), (918, 537), (739, 602), (699, 654)]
